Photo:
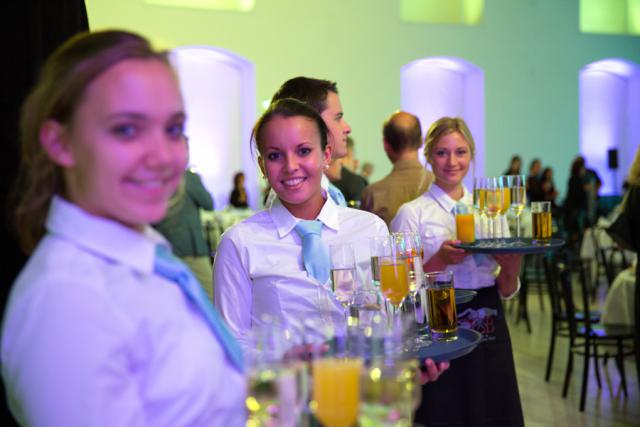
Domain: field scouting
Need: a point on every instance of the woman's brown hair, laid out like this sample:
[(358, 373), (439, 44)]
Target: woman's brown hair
[(59, 90)]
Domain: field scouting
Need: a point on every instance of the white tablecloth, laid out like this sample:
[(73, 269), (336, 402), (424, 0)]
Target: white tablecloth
[(618, 305)]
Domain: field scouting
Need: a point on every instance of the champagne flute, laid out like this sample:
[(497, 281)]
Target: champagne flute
[(409, 246), (343, 272), (379, 246), (493, 202), (479, 192), (518, 197), (394, 277)]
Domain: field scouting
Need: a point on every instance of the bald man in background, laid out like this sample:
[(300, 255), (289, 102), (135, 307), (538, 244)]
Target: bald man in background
[(402, 138)]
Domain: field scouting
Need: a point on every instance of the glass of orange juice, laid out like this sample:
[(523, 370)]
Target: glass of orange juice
[(336, 390), (465, 228)]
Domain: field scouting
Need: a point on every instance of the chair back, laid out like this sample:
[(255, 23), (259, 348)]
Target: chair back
[(551, 271)]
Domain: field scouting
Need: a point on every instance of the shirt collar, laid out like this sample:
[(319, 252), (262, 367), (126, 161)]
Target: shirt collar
[(446, 202), (107, 238), (284, 221)]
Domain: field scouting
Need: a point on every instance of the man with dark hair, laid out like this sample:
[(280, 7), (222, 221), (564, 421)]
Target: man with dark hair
[(349, 182), (402, 137), (322, 96)]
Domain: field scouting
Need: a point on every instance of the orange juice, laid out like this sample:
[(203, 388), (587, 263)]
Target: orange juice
[(394, 282), (506, 200), (336, 391), (465, 228)]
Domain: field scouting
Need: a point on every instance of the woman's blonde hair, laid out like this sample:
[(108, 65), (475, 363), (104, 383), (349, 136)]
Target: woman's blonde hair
[(445, 126), (634, 171), (59, 90)]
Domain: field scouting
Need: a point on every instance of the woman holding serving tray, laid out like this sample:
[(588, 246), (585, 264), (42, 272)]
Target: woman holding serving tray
[(480, 388), (270, 268)]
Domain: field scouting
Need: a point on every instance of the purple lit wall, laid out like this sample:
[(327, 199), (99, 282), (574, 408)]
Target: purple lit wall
[(219, 93), (435, 87), (610, 117)]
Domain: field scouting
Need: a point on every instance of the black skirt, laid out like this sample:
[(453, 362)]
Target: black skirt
[(479, 389)]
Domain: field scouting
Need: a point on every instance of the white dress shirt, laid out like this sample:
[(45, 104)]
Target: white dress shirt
[(432, 215), (258, 268), (91, 337)]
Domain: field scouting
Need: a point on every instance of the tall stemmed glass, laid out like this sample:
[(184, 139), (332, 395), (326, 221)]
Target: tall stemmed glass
[(492, 202), (479, 191), (379, 246), (394, 277), (503, 184), (343, 272), (409, 245), (518, 197)]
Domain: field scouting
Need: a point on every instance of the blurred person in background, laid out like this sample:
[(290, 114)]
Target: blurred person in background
[(401, 140), (367, 170), (534, 192), (350, 183), (182, 227), (238, 196), (515, 166)]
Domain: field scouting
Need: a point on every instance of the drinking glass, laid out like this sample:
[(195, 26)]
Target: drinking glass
[(465, 228), (443, 321), (343, 272), (336, 390), (541, 221), (505, 184), (277, 390), (492, 202), (409, 245), (517, 183), (389, 392), (364, 305), (379, 246), (394, 277), (479, 192)]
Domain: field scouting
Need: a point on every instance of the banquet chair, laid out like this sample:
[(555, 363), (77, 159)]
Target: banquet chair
[(559, 316), (587, 338)]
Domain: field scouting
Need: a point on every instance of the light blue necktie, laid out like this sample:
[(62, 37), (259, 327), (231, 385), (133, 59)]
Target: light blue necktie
[(315, 254), (336, 195), (171, 268)]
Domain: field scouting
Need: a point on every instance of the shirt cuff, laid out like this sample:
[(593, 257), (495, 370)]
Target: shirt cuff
[(513, 294)]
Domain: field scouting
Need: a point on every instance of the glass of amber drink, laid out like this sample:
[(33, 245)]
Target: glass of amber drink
[(443, 320), (541, 221), (394, 277)]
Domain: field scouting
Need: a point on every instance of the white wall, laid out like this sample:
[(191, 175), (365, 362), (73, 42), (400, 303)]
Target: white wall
[(218, 89), (435, 87)]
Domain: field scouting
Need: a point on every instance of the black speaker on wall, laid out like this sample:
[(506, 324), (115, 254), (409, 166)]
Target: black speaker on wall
[(613, 158)]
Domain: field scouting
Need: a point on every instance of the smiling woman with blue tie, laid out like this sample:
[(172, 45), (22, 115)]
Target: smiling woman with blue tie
[(275, 264), (104, 326)]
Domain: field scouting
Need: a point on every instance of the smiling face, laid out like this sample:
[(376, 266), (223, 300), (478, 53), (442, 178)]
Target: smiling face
[(292, 158), (124, 152), (450, 158), (339, 129)]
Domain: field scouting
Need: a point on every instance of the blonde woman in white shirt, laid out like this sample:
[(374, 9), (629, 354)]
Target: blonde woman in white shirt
[(480, 388), (259, 269)]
